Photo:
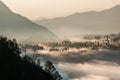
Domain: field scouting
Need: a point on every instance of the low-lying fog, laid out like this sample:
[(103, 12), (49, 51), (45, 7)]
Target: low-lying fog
[(97, 65), (90, 65), (90, 71)]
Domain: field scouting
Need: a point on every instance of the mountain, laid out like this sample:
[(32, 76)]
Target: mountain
[(17, 26), (92, 22)]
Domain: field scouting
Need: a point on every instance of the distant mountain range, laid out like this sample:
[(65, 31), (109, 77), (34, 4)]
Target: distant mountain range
[(17, 26), (92, 22)]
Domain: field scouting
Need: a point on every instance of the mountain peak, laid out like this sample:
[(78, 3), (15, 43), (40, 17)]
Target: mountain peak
[(4, 8), (15, 26), (117, 6)]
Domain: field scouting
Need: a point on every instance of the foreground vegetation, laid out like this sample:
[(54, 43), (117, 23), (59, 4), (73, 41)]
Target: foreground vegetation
[(13, 67)]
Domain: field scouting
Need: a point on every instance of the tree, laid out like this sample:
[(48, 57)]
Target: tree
[(9, 49), (49, 67), (12, 67)]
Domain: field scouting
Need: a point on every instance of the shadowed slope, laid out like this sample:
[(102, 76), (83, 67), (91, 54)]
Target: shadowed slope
[(17, 26)]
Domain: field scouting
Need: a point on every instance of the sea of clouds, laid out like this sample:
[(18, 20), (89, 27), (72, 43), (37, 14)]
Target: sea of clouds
[(90, 71), (97, 65)]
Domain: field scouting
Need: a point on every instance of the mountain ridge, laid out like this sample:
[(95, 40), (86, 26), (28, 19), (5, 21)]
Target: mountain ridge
[(20, 27), (91, 22)]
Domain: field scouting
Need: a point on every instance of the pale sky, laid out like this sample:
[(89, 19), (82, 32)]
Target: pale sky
[(56, 8)]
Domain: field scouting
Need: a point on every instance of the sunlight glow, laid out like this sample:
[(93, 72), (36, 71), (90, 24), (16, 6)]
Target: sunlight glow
[(54, 8)]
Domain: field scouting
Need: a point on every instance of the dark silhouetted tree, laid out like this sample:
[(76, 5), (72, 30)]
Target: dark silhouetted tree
[(12, 67), (50, 68)]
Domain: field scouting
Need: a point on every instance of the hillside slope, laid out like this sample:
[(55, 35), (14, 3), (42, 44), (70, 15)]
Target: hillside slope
[(92, 22), (17, 26)]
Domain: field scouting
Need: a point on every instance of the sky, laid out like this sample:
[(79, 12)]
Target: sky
[(34, 9)]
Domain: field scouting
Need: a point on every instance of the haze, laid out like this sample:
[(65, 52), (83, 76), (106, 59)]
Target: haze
[(56, 8)]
